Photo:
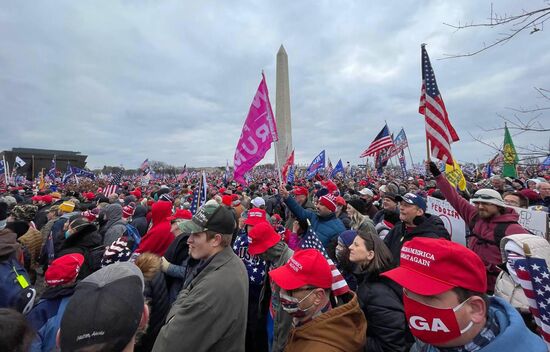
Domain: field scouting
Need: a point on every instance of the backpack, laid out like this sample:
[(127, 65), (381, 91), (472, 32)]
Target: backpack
[(134, 237), (94, 256), (15, 289), (498, 234)]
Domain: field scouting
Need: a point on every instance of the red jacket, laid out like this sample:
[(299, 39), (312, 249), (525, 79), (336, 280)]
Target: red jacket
[(159, 237), (485, 228)]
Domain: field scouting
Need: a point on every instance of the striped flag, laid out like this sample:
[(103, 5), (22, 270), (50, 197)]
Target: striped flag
[(199, 195), (382, 141), (113, 186), (439, 130), (312, 241), (535, 280)]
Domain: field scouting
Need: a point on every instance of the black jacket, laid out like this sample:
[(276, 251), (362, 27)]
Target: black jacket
[(83, 242), (157, 296), (139, 220), (426, 226), (380, 300)]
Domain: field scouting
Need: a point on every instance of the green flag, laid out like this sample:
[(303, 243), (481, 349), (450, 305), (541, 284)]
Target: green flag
[(510, 155)]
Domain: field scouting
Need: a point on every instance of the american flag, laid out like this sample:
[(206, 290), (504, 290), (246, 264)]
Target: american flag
[(199, 195), (113, 186), (311, 241), (289, 162), (183, 173), (439, 130), (382, 141), (535, 281), (145, 169)]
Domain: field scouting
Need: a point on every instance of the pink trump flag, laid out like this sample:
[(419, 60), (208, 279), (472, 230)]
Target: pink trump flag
[(259, 131)]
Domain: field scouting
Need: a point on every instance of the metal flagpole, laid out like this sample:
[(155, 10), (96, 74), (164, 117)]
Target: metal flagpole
[(6, 170)]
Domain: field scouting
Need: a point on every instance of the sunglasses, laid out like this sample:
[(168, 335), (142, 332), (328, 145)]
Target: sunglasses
[(483, 196)]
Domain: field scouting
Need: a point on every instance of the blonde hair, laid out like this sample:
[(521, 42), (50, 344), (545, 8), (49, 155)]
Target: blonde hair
[(356, 218), (149, 264)]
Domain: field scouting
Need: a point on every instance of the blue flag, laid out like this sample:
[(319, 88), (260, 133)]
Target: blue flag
[(546, 163), (317, 164), (337, 169), (68, 174), (290, 176), (51, 171), (2, 167), (81, 172)]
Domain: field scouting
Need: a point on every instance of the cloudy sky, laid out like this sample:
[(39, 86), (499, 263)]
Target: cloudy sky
[(123, 81)]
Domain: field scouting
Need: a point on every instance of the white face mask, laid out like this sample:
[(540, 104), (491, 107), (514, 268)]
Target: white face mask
[(511, 258)]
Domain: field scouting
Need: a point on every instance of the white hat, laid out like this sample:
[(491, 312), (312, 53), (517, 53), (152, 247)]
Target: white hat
[(258, 202), (383, 188), (487, 195), (366, 192)]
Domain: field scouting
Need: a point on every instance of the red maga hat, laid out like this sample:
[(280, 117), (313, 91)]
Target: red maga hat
[(64, 269), (307, 267), (300, 191), (184, 214), (430, 266), (255, 216)]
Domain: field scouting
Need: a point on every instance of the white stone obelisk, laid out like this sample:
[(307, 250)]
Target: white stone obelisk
[(282, 108)]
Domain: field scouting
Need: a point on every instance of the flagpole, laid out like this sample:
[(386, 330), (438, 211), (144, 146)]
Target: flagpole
[(278, 165), (32, 176), (6, 170)]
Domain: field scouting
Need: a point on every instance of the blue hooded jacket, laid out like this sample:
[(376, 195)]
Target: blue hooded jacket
[(326, 227), (513, 336)]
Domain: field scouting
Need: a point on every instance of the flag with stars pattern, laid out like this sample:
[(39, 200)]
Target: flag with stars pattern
[(255, 265), (535, 281), (312, 241)]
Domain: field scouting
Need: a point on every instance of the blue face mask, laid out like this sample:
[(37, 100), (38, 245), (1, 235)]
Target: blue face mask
[(67, 234)]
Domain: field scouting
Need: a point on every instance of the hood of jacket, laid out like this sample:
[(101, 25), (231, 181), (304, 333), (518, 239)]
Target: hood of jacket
[(540, 248), (340, 329), (8, 243), (429, 225), (160, 211), (113, 212), (86, 236), (140, 212)]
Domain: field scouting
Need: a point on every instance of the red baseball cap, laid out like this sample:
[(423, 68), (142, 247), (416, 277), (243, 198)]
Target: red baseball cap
[(36, 198), (430, 266), (181, 214), (261, 238), (300, 191), (47, 199), (340, 201), (227, 199), (305, 267), (64, 269), (331, 186), (255, 216)]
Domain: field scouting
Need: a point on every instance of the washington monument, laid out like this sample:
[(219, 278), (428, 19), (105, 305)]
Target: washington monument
[(282, 108)]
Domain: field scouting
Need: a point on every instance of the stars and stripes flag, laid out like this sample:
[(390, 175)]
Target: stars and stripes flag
[(199, 195), (183, 173), (113, 186), (382, 141), (288, 163), (329, 168), (312, 241), (535, 280), (145, 168), (439, 130)]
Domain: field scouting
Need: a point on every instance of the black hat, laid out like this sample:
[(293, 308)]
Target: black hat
[(106, 307), (358, 204)]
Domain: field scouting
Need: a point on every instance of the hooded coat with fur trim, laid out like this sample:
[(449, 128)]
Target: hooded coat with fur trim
[(158, 238), (82, 242)]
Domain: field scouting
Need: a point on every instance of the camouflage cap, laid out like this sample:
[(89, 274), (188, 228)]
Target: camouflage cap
[(210, 217), (25, 212)]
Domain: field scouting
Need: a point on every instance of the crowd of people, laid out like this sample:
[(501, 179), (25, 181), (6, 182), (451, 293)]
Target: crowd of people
[(354, 263)]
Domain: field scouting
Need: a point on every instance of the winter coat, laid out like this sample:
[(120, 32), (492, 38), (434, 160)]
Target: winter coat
[(157, 298), (326, 227), (275, 257), (32, 240), (41, 217), (344, 218), (9, 245), (380, 300), (45, 316), (177, 254), (505, 286), (341, 329), (45, 230), (82, 242), (115, 226), (159, 237), (210, 313), (427, 226), (484, 228), (513, 334), (139, 220)]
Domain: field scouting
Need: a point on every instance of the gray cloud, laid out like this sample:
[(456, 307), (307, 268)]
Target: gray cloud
[(173, 81)]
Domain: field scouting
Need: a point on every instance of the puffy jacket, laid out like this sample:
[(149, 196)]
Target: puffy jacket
[(513, 335), (32, 240), (83, 242), (45, 317), (326, 227), (505, 286), (426, 226), (341, 329), (484, 228), (158, 238), (380, 300)]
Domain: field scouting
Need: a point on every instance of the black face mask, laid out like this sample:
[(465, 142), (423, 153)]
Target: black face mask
[(19, 227)]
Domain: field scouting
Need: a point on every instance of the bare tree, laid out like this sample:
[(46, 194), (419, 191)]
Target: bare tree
[(512, 25)]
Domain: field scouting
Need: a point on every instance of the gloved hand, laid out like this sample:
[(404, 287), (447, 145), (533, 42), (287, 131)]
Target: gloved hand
[(433, 169), (164, 264)]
